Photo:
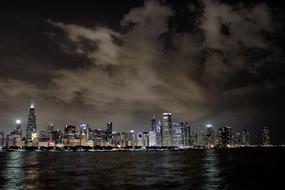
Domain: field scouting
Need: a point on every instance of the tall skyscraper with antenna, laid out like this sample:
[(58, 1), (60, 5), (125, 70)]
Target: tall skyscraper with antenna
[(31, 126)]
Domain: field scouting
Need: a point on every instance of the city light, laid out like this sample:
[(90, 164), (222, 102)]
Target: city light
[(209, 125), (18, 121)]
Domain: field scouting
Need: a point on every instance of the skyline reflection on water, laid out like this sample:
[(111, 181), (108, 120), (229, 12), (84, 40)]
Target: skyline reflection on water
[(194, 169)]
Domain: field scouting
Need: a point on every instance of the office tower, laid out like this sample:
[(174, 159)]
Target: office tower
[(57, 136), (152, 138), (2, 139), (17, 132), (177, 134), (153, 124), (186, 134), (116, 139), (109, 131), (69, 133), (50, 129), (84, 131), (225, 137), (139, 139), (266, 136), (31, 131), (123, 139), (130, 138), (43, 136), (236, 139), (210, 137), (158, 133), (145, 139), (245, 137), (166, 130)]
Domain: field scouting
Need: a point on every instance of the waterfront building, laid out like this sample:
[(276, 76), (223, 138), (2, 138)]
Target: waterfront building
[(266, 136), (245, 137), (152, 138), (2, 139), (69, 133), (43, 136), (57, 137), (109, 131), (177, 134), (153, 123), (145, 139), (84, 132), (225, 137), (50, 129), (158, 133), (31, 131), (210, 136), (186, 134), (167, 130)]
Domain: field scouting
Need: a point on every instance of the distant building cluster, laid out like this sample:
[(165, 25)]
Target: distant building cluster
[(163, 133)]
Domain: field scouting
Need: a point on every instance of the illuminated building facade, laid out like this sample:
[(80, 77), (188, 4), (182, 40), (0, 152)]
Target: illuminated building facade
[(186, 134), (177, 134), (245, 137), (152, 138), (266, 136), (31, 131), (167, 130), (109, 131)]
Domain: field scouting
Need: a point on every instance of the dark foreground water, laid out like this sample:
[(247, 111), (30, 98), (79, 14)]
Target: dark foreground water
[(193, 169)]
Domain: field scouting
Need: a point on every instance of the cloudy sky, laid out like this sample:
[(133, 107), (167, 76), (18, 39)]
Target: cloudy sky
[(122, 61)]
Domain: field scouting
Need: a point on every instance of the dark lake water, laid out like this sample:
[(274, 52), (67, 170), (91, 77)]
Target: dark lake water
[(193, 169)]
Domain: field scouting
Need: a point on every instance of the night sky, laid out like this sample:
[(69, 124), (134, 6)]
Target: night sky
[(207, 61)]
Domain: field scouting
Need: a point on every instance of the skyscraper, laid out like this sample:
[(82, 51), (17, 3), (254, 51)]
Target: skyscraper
[(69, 133), (224, 136), (31, 126), (265, 136), (109, 130), (177, 134), (50, 129), (158, 133), (245, 137), (186, 134), (167, 130), (2, 137), (153, 126)]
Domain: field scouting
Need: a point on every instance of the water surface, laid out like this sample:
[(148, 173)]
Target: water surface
[(193, 169)]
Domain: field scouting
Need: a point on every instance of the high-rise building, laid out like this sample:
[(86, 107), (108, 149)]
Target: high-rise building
[(266, 136), (31, 130), (225, 137), (152, 138), (50, 129), (158, 133), (153, 124), (2, 139), (69, 133), (43, 136), (186, 134), (84, 130), (245, 137), (109, 130), (177, 134), (166, 130), (17, 133), (210, 136), (57, 136)]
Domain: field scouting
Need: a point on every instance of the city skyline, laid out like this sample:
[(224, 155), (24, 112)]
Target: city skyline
[(208, 61), (162, 132)]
